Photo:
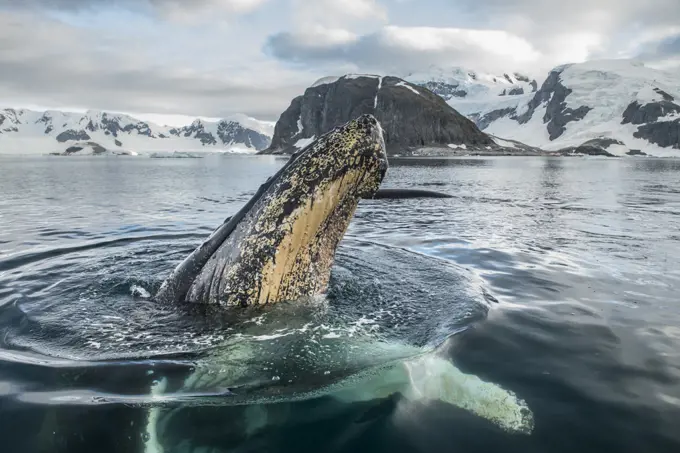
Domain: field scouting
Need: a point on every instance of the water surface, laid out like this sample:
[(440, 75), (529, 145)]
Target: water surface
[(556, 278)]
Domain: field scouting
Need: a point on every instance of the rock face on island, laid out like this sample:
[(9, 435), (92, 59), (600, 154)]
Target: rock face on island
[(89, 148), (412, 117)]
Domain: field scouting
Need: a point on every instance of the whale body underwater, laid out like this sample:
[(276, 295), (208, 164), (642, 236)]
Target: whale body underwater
[(279, 249)]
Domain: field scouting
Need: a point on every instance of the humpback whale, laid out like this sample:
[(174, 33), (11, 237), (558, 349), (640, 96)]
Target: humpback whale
[(281, 244), (277, 252)]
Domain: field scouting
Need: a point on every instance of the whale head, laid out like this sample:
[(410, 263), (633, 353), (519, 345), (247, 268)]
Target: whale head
[(281, 244)]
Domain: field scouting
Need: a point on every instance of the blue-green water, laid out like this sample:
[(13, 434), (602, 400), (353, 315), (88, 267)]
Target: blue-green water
[(557, 279)]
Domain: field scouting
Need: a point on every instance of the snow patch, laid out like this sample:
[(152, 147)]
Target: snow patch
[(375, 101), (406, 85), (455, 146), (299, 125), (325, 81), (504, 143), (357, 76), (304, 142), (475, 84)]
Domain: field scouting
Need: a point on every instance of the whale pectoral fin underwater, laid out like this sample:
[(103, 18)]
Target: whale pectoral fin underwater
[(429, 377)]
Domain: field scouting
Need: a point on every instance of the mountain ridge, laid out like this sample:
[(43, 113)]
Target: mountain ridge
[(620, 106), (24, 131)]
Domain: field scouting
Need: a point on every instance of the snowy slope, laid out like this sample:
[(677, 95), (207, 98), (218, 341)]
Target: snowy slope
[(31, 132), (627, 107), (454, 84)]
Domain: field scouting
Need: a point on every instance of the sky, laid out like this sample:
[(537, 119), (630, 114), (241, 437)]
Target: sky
[(172, 60)]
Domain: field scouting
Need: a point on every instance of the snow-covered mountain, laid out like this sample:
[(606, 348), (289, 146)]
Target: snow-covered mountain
[(460, 83), (618, 106), (94, 132)]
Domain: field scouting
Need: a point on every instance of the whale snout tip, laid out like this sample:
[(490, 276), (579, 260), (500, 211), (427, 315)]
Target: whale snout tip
[(367, 152)]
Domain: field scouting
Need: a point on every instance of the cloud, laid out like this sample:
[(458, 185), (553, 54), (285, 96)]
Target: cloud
[(528, 35), (404, 49), (669, 46), (336, 13), (579, 15), (183, 10), (664, 47), (662, 52), (49, 63), (172, 9), (590, 28), (149, 55)]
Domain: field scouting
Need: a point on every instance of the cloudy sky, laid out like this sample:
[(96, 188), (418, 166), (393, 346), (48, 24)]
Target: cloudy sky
[(212, 58)]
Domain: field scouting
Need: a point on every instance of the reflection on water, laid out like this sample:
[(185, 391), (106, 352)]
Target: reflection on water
[(426, 162), (557, 279)]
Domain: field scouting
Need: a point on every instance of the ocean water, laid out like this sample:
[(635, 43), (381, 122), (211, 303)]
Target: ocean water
[(554, 279)]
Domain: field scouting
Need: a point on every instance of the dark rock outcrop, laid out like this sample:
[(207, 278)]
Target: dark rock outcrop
[(446, 90), (663, 133), (557, 115), (485, 120), (96, 148), (232, 132), (635, 152), (586, 150), (47, 121), (118, 142), (412, 117), (650, 112), (516, 91), (594, 147), (534, 86), (664, 95), (603, 142), (110, 124), (72, 135), (228, 132), (196, 130)]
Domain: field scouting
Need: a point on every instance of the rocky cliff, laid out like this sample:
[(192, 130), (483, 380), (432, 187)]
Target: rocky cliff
[(412, 116)]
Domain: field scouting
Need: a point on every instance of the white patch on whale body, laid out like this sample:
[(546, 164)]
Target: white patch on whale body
[(433, 378), (151, 443), (429, 377)]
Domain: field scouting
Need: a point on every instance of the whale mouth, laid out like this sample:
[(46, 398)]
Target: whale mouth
[(281, 245)]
